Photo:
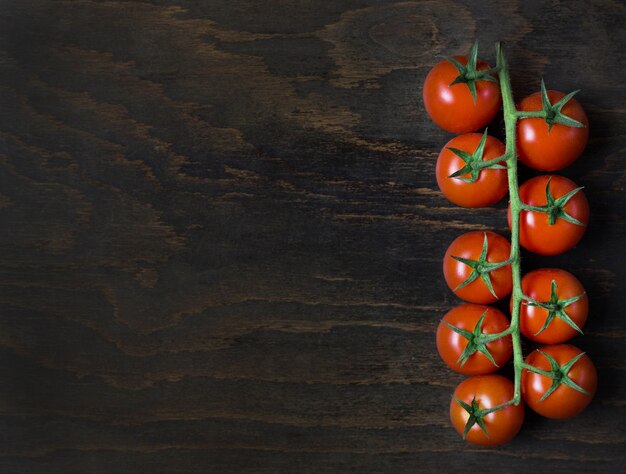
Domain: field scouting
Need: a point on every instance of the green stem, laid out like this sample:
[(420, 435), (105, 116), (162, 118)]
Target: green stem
[(510, 119), (495, 266), (531, 114), (495, 161), (527, 207), (498, 407), (485, 338), (534, 369)]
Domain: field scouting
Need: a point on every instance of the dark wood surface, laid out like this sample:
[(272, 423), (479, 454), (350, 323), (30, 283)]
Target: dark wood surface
[(222, 235)]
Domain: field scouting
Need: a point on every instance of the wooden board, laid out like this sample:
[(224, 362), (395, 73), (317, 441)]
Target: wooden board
[(222, 235)]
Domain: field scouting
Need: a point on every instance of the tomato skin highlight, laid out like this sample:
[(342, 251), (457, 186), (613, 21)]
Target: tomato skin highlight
[(490, 391), (451, 344), (452, 107), (469, 245), (536, 234), (491, 185), (537, 285), (561, 146), (564, 402)]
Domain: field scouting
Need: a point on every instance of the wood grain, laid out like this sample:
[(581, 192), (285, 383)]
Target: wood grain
[(221, 234)]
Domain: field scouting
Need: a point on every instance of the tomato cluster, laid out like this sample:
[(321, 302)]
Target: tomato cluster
[(462, 95)]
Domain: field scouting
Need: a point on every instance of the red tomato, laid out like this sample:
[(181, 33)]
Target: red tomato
[(555, 149), (469, 246), (453, 107), (565, 401), (451, 345), (538, 286), (491, 185), (536, 233), (488, 391)]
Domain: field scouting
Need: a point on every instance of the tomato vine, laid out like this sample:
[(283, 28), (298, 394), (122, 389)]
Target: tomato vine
[(511, 116), (472, 281), (510, 120)]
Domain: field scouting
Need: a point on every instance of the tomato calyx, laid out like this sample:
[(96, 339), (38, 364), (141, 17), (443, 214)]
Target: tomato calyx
[(480, 268), (558, 374), (555, 207), (476, 341), (474, 162), (553, 111), (555, 307), (468, 74), (476, 415)]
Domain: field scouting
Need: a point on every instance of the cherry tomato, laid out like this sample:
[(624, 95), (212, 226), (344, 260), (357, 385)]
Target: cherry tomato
[(453, 107), (565, 401), (488, 391), (469, 246), (451, 345), (551, 150), (491, 185), (538, 286), (536, 233)]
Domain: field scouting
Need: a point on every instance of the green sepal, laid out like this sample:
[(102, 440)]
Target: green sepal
[(560, 204), (481, 424), (559, 376), (474, 162), (472, 87), (475, 416), (487, 280), (555, 384), (465, 406), (463, 332), (469, 75), (556, 308), (474, 342), (480, 268), (553, 111), (555, 207)]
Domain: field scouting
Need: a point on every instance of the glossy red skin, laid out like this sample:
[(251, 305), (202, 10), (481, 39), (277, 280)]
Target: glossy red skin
[(536, 234), (491, 185), (554, 150), (564, 402), (490, 391), (469, 245), (452, 107), (537, 285), (451, 344)]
